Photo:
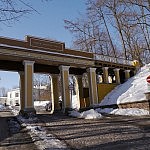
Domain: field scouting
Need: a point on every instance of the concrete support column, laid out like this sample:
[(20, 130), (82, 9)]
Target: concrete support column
[(22, 90), (105, 74), (127, 74), (92, 86), (117, 75), (29, 69), (55, 91), (80, 85), (66, 104)]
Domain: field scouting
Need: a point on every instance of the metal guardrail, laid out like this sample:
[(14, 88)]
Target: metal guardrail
[(113, 59)]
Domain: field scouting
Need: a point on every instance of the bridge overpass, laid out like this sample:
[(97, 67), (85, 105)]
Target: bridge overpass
[(39, 55)]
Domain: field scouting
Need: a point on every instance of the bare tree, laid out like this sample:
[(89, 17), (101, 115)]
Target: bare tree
[(116, 28), (42, 86), (3, 91), (13, 10)]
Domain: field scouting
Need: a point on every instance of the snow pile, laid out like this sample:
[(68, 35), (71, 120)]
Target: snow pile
[(40, 103), (130, 112), (2, 107), (39, 135), (131, 91), (15, 112), (96, 114), (125, 112), (89, 114), (75, 103)]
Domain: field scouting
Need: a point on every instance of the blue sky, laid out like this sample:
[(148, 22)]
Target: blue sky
[(47, 24)]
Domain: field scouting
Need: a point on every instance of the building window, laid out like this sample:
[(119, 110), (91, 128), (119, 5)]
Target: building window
[(16, 94), (10, 95)]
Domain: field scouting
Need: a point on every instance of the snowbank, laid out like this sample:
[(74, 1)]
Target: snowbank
[(40, 103), (125, 112), (131, 91), (90, 114), (96, 114)]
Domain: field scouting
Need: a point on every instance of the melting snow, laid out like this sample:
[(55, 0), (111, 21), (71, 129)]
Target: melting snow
[(90, 114), (125, 112), (40, 136)]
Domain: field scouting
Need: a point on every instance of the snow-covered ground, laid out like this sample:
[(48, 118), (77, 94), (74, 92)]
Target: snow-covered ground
[(96, 114), (39, 134), (125, 112)]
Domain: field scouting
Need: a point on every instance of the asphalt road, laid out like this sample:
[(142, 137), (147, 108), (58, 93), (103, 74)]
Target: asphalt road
[(110, 132), (10, 137), (107, 133)]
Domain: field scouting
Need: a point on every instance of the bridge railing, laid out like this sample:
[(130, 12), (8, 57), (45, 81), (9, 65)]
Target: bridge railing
[(112, 59)]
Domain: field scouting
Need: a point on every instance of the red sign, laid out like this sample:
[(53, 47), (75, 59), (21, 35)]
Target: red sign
[(148, 79)]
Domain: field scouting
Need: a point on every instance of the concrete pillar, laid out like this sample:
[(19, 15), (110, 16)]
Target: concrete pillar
[(92, 86), (55, 91), (117, 75), (127, 74), (105, 74), (22, 90), (66, 104), (80, 85), (29, 69)]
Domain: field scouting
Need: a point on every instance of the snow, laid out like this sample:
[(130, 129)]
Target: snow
[(89, 114), (40, 103), (75, 103), (40, 135), (131, 91), (96, 114), (124, 112), (130, 112)]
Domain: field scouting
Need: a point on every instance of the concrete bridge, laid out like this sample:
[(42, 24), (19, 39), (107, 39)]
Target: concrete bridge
[(95, 74)]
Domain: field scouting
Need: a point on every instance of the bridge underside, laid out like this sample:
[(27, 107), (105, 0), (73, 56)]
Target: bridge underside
[(18, 66)]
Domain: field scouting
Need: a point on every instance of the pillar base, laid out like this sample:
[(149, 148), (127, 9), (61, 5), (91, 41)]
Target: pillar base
[(28, 112)]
